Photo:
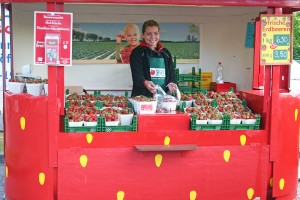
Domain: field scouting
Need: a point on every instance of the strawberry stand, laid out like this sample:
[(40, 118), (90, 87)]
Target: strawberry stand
[(162, 156)]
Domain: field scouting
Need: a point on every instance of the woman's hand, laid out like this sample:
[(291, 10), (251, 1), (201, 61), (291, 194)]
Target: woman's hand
[(150, 86), (119, 38), (172, 87)]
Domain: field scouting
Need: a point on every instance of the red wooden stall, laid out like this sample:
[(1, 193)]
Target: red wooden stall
[(164, 159)]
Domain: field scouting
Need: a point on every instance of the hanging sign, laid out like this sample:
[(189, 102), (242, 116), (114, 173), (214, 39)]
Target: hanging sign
[(276, 40), (53, 38)]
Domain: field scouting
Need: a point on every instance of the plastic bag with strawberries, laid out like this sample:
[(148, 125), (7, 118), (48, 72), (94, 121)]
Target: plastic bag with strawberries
[(165, 103)]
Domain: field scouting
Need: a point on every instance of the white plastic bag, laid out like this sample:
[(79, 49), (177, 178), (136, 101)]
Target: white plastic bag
[(165, 103)]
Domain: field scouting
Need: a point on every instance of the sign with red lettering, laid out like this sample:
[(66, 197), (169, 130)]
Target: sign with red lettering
[(276, 39), (53, 38), (146, 107)]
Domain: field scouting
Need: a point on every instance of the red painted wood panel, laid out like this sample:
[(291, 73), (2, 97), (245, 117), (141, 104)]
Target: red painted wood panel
[(130, 139), (204, 171), (26, 148), (255, 101), (286, 149), (158, 122), (258, 70)]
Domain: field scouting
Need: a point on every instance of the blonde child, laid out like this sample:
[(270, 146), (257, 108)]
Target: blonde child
[(132, 36)]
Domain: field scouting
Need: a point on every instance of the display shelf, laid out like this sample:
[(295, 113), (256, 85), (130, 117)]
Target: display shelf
[(42, 162), (175, 147)]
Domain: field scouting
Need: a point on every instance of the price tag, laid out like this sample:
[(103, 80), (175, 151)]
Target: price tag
[(276, 39), (282, 39), (280, 54)]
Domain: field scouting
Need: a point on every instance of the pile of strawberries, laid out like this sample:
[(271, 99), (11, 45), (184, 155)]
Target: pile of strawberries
[(84, 107), (111, 101), (110, 114), (227, 103), (186, 97), (35, 81), (15, 80), (142, 98)]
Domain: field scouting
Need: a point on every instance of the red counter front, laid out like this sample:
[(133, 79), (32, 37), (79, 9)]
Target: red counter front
[(109, 164)]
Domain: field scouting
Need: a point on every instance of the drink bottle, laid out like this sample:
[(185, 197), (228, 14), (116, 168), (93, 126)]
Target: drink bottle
[(219, 78)]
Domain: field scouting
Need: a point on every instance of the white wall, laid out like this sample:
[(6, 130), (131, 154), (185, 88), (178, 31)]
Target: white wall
[(223, 32)]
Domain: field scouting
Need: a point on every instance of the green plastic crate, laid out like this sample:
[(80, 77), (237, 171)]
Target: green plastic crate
[(244, 126), (188, 77), (119, 128), (195, 126), (189, 90), (96, 128)]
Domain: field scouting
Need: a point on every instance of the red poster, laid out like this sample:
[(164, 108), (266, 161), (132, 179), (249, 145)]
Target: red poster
[(53, 38)]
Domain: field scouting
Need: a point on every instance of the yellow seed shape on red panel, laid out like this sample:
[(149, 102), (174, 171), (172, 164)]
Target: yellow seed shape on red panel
[(120, 195), (271, 182), (42, 178), (281, 184), (226, 155), (158, 160), (89, 138), (22, 123), (83, 160), (167, 140), (296, 114), (6, 171), (243, 140), (193, 195), (250, 193)]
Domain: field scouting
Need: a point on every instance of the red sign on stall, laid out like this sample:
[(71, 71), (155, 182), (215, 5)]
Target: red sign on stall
[(53, 38)]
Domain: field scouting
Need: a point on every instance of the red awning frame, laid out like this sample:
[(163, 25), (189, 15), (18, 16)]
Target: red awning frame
[(273, 3)]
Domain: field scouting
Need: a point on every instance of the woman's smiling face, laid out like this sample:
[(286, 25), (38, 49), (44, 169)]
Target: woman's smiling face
[(151, 36)]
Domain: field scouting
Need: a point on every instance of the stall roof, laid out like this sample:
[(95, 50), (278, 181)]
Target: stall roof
[(269, 3)]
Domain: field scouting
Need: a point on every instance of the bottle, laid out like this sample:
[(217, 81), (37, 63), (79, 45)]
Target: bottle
[(219, 78)]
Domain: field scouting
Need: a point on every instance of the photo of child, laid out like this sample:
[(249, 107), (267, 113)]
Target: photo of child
[(132, 36), (112, 43)]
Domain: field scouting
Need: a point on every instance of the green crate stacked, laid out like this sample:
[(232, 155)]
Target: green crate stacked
[(96, 128), (119, 128), (185, 78)]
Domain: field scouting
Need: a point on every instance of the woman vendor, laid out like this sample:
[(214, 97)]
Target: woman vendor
[(151, 64)]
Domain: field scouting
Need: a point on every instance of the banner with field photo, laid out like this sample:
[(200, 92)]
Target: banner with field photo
[(99, 43)]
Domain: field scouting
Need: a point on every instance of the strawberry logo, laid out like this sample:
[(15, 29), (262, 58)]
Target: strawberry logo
[(273, 46), (152, 72)]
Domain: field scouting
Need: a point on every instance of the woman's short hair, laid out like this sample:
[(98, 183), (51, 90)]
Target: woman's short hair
[(150, 23)]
